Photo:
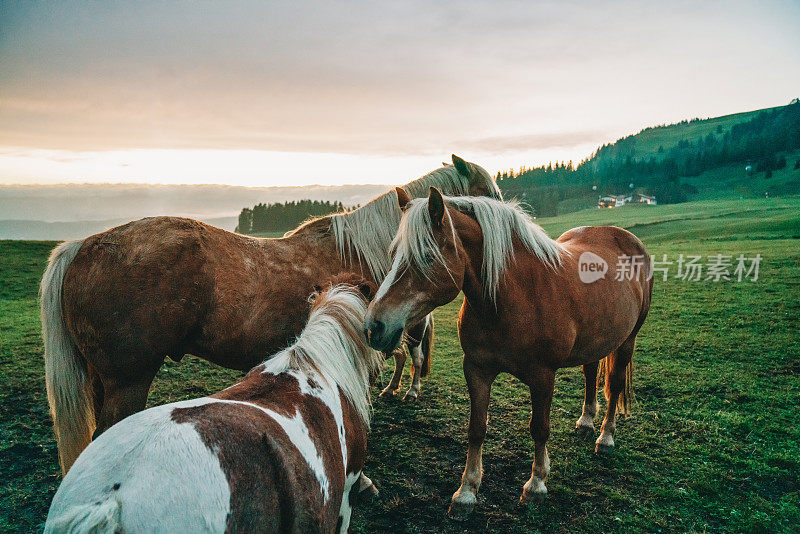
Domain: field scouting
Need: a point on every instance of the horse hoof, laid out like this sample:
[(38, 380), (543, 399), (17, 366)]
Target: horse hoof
[(534, 491), (389, 393), (411, 396), (585, 431), (603, 448), (605, 443), (528, 498), (460, 510)]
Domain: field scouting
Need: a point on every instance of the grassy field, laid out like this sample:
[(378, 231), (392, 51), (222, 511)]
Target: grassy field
[(713, 443), (719, 183)]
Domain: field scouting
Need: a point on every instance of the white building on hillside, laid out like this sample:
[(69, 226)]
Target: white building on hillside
[(613, 201), (616, 201)]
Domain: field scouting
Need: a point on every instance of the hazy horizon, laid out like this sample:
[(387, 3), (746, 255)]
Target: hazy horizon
[(256, 94), (69, 211)]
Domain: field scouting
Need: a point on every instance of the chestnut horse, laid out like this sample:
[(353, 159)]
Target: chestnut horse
[(115, 304), (526, 311), (281, 451)]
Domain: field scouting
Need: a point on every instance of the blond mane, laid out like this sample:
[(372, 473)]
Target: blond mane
[(366, 233), (500, 221), (333, 344)]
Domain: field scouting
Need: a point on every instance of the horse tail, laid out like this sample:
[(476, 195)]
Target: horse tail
[(99, 517), (427, 347), (625, 399), (602, 370), (68, 391)]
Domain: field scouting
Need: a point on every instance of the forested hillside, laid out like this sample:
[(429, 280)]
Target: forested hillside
[(283, 216), (672, 162)]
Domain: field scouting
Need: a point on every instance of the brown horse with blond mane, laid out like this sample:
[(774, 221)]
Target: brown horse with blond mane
[(526, 311), (115, 304)]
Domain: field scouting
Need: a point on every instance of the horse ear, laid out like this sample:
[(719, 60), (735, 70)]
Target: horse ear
[(436, 207), (312, 298), (367, 289), (402, 197), (461, 166)]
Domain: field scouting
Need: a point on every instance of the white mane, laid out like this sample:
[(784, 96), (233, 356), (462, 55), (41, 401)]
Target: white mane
[(333, 345), (499, 222), (367, 232)]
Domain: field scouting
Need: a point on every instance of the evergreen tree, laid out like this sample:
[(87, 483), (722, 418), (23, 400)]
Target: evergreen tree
[(283, 216)]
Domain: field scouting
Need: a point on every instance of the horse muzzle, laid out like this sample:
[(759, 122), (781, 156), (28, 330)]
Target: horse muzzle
[(382, 338)]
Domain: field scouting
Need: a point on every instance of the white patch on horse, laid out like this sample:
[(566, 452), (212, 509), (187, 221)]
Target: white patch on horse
[(134, 456), (330, 397), (345, 510), (389, 280), (325, 348)]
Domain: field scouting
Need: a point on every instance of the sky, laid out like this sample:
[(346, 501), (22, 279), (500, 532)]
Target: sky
[(295, 93)]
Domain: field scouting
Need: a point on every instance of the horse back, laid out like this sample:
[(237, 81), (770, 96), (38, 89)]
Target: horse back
[(598, 238)]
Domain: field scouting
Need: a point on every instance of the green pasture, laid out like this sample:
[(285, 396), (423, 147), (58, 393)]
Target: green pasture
[(713, 443)]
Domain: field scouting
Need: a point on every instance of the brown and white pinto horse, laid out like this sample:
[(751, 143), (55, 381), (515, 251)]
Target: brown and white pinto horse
[(281, 451), (526, 312), (115, 304)]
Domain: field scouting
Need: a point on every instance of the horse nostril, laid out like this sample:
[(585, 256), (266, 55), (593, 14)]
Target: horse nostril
[(374, 330), (378, 328)]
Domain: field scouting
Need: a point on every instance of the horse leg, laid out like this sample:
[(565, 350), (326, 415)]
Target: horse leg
[(394, 384), (585, 424), (615, 383), (479, 385), (541, 384), (417, 358), (98, 393), (121, 399), (365, 489)]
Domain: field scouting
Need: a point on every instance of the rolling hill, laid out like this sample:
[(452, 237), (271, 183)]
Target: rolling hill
[(649, 140), (749, 154)]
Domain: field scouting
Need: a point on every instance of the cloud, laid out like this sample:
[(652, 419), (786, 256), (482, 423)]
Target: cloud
[(377, 78)]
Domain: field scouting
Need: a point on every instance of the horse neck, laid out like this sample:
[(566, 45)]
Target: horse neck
[(322, 247), (471, 237), (474, 286)]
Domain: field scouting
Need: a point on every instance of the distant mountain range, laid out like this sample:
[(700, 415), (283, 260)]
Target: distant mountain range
[(67, 211)]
